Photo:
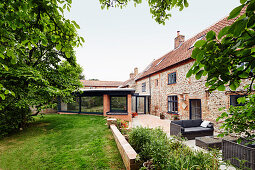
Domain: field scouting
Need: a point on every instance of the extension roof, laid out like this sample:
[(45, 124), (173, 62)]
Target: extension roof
[(94, 83), (129, 81)]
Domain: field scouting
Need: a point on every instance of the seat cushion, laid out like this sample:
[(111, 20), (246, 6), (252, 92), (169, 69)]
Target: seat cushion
[(187, 123), (197, 129), (196, 122), (178, 122)]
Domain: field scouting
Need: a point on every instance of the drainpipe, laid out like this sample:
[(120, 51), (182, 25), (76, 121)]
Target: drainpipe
[(150, 92)]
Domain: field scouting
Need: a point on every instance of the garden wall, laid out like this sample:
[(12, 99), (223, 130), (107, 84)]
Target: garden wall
[(127, 153)]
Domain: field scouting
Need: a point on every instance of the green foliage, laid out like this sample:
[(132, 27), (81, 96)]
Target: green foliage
[(37, 61), (150, 144), (13, 118), (165, 153), (160, 10), (228, 61), (240, 119)]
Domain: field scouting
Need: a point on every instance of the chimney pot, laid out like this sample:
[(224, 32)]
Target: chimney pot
[(178, 40), (135, 71), (178, 33), (131, 75)]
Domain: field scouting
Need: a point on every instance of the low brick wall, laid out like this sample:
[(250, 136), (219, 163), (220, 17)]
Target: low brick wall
[(70, 113), (122, 117), (127, 153), (67, 113)]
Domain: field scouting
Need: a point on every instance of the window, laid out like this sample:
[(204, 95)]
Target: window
[(173, 104), (156, 82), (72, 107), (92, 104), (144, 87), (200, 38), (118, 104), (172, 78), (233, 100)]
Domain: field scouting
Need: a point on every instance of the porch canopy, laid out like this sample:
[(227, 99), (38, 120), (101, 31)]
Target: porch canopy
[(111, 102)]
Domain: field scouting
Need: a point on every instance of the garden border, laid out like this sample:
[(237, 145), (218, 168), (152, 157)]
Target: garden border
[(127, 153)]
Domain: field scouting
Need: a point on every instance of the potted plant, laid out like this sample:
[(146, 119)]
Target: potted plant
[(162, 116), (175, 117), (134, 114)]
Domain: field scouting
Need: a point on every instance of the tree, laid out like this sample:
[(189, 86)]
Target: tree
[(226, 59), (159, 9), (37, 59), (81, 77)]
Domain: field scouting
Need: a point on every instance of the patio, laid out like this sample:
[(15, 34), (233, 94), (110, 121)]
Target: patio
[(151, 121)]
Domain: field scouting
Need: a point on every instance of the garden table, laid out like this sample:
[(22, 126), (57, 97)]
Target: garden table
[(211, 142)]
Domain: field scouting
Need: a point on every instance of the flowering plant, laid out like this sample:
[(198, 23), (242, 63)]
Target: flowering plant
[(162, 116), (122, 124), (134, 114), (175, 117)]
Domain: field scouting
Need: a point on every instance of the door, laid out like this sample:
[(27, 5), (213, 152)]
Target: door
[(140, 104), (195, 109)]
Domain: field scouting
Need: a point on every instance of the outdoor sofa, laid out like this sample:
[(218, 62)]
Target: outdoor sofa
[(190, 128)]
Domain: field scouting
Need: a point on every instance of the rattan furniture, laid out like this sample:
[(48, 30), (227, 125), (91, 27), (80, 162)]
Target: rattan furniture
[(190, 128), (211, 142), (233, 151)]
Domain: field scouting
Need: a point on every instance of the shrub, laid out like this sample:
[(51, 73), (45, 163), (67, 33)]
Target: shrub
[(12, 118), (185, 158), (150, 144), (165, 153)]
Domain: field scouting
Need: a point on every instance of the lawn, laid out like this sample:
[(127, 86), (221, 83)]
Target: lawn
[(61, 142)]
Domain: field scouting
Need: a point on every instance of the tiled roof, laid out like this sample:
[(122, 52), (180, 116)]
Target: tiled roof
[(129, 82), (183, 52), (93, 83), (126, 83)]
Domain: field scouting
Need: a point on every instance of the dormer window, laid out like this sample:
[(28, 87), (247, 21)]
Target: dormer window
[(200, 38)]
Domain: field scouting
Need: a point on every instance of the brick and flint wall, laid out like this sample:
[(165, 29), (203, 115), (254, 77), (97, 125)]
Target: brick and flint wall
[(185, 89)]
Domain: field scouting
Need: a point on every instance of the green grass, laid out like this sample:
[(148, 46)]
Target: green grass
[(62, 142)]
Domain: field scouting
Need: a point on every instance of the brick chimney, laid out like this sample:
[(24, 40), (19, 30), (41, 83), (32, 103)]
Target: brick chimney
[(178, 40), (131, 75), (135, 71)]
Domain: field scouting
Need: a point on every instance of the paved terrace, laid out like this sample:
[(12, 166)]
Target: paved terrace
[(151, 121)]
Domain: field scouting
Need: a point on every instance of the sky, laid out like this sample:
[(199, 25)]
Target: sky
[(118, 40)]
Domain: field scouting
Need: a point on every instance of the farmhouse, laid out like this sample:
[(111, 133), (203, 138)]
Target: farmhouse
[(162, 87), (170, 92)]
